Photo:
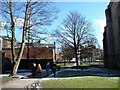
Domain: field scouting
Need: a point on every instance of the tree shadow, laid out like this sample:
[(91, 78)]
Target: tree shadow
[(93, 70)]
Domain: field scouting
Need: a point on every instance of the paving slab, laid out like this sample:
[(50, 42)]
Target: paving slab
[(19, 83)]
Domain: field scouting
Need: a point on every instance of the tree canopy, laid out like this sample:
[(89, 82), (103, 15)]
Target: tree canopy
[(75, 31)]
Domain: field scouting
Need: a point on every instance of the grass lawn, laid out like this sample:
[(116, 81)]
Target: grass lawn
[(96, 63), (83, 64), (5, 79), (66, 64), (81, 82)]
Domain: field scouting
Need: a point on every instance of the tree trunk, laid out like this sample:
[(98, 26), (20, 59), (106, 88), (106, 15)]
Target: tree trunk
[(81, 59), (23, 41), (76, 57), (18, 60), (13, 51), (75, 46), (13, 36)]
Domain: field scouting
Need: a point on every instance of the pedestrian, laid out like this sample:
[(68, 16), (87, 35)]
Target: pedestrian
[(33, 71), (54, 66), (39, 70), (47, 69)]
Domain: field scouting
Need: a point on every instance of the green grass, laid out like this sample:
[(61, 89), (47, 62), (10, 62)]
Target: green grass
[(5, 79), (83, 64), (97, 63), (81, 82), (66, 64)]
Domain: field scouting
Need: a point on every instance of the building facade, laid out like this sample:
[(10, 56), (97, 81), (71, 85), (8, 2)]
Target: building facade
[(0, 43), (111, 40), (38, 53)]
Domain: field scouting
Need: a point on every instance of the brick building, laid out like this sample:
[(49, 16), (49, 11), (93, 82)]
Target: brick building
[(38, 53)]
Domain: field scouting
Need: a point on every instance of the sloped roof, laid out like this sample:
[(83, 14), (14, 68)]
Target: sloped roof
[(34, 53), (35, 44)]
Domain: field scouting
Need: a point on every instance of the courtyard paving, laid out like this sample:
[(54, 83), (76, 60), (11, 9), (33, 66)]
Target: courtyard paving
[(20, 83)]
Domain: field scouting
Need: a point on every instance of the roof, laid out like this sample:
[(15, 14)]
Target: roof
[(6, 38), (47, 45), (34, 53), (35, 44)]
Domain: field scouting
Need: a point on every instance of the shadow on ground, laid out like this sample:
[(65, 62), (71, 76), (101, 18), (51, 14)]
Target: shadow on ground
[(93, 70)]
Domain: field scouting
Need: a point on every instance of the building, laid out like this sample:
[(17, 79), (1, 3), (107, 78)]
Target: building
[(38, 53), (92, 53), (5, 42), (59, 57), (0, 43), (111, 40)]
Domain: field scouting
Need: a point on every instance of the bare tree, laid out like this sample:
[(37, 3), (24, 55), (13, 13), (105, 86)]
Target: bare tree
[(68, 52), (75, 31), (25, 16)]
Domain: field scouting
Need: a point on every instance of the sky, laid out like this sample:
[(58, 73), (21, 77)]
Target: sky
[(93, 12)]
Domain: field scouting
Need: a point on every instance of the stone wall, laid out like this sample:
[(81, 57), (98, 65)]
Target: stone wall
[(111, 41)]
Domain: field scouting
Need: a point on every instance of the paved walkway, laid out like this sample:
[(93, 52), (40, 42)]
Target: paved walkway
[(19, 83)]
